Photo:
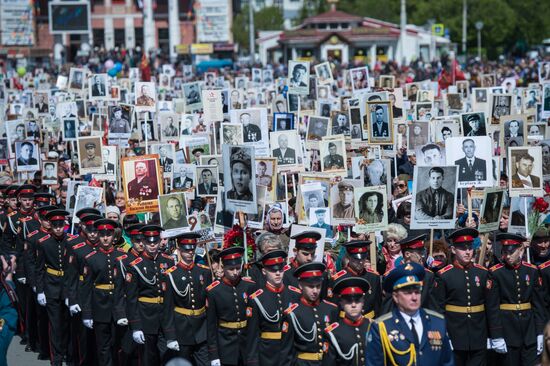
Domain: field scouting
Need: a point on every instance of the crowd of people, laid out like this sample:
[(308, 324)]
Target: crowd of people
[(305, 214)]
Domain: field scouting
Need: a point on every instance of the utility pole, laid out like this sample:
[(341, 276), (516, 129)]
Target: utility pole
[(173, 28), (149, 36), (464, 25), (251, 37), (479, 27), (403, 30)]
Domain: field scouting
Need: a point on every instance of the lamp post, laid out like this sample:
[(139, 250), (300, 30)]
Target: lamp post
[(464, 25), (403, 30), (479, 27), (251, 38)]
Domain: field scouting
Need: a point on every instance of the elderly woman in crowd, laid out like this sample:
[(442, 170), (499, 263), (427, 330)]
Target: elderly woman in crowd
[(391, 250)]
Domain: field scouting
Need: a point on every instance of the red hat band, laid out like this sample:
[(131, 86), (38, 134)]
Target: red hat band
[(309, 274), (273, 261), (415, 244), (105, 227), (352, 291), (307, 241), (510, 242), (187, 241), (463, 238), (57, 218), (232, 256), (151, 233), (357, 250)]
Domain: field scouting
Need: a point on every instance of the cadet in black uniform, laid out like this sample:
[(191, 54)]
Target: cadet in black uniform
[(145, 295), (306, 320), (50, 282), (463, 292), (265, 318), (104, 302), (347, 336), (357, 254), (226, 311), (184, 320), (521, 315)]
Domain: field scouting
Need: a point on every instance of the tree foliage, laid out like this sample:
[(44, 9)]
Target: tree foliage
[(268, 18)]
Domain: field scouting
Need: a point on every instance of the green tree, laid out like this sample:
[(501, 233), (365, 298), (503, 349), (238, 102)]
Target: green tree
[(268, 18)]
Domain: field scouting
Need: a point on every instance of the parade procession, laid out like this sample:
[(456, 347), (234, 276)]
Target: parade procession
[(355, 192)]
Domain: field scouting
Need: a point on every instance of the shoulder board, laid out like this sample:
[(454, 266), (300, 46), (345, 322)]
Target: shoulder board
[(212, 285), (78, 246), (427, 270), (496, 266), (526, 264), (331, 327), (120, 250), (12, 213), (291, 308), (90, 254), (339, 274), (32, 234), (384, 317), (25, 219), (122, 257), (434, 313), (248, 279), (167, 256), (202, 266), (170, 270), (295, 289), (44, 238), (256, 294), (136, 261), (373, 271), (71, 237), (445, 269), (479, 266), (286, 267), (330, 303), (544, 265)]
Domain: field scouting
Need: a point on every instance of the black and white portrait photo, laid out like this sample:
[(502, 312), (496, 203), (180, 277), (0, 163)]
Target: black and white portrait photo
[(340, 123), (491, 210), (239, 179), (318, 128), (169, 126), (544, 72), (418, 134), (231, 133), (76, 79), (473, 157), (167, 155), (255, 131), (285, 147), (283, 121), (207, 181), (183, 177), (359, 78), (27, 156), (120, 120), (387, 81), (513, 129), (480, 95), (379, 123), (430, 155), (525, 171), (501, 106), (98, 86), (192, 94), (146, 97), (434, 197), (173, 211), (441, 130), (69, 129), (110, 163), (474, 124), (90, 154), (323, 73), (298, 77), (49, 172), (371, 209), (376, 172), (333, 154)]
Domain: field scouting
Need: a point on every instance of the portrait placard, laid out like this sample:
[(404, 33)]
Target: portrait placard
[(110, 164), (371, 209), (90, 155), (146, 97), (49, 172), (27, 156), (173, 210), (341, 201), (525, 171), (266, 175), (491, 211), (207, 181), (473, 157), (379, 123), (142, 183), (239, 182), (298, 77), (88, 197), (285, 147)]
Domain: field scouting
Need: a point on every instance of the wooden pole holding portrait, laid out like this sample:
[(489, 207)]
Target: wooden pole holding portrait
[(483, 251), (372, 238), (431, 242)]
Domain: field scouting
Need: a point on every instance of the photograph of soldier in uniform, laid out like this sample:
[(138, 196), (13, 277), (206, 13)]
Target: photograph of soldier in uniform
[(266, 175), (69, 129), (472, 156), (513, 128), (110, 162), (232, 133), (501, 106), (49, 172), (323, 73), (525, 171), (418, 134), (207, 181), (120, 121), (183, 177), (169, 126), (298, 77), (333, 154), (145, 96), (76, 79), (90, 155), (98, 86), (251, 126), (379, 123), (434, 192), (320, 218), (239, 180), (173, 210), (285, 147), (473, 124), (167, 154), (27, 156), (342, 203), (340, 123), (491, 210), (142, 182), (283, 121), (318, 128)]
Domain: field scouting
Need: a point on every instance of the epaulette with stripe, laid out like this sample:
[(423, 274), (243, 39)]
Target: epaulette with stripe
[(286, 267), (32, 234), (79, 245), (339, 274), (434, 313), (12, 213), (90, 254), (136, 261), (121, 250), (544, 265), (330, 303), (122, 257), (496, 266), (170, 270), (25, 219), (295, 289), (527, 264), (167, 256), (384, 317), (200, 265), (479, 266), (372, 271), (428, 270), (212, 285), (445, 269), (331, 327), (71, 237), (256, 294), (44, 238), (248, 279), (291, 308)]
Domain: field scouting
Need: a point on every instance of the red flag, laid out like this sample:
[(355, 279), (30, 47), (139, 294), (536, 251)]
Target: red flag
[(144, 68)]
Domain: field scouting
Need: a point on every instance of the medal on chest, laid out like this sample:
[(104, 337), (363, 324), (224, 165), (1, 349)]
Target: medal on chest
[(477, 281), (527, 280), (435, 339)]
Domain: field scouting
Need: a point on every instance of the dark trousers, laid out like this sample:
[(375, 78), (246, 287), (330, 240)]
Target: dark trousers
[(104, 337), (520, 356), (43, 330), (470, 358), (149, 354), (58, 315), (83, 342), (197, 354), (21, 291), (31, 320)]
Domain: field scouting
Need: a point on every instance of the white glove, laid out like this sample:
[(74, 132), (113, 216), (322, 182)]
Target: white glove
[(67, 302), (122, 321), (88, 323), (173, 345), (540, 342), (74, 309), (41, 298), (138, 336), (22, 280), (215, 363), (34, 289), (488, 343), (499, 345)]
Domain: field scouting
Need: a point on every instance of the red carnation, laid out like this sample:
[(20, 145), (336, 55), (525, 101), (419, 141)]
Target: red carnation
[(540, 205)]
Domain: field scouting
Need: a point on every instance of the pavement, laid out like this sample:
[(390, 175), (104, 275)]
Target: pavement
[(18, 356)]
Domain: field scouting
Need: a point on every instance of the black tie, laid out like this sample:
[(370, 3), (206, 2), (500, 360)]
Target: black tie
[(415, 334)]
